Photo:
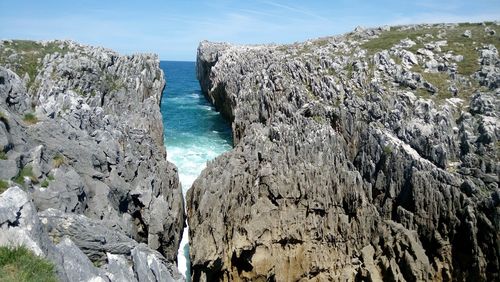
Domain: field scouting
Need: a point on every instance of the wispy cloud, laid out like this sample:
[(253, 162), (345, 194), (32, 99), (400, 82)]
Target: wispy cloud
[(174, 28), (295, 9)]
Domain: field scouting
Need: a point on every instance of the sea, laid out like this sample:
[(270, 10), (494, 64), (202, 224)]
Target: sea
[(194, 133)]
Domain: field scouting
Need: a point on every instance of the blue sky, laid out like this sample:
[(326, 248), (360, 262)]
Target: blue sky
[(173, 29)]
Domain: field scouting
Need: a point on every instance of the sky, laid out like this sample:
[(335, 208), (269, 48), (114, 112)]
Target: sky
[(173, 29)]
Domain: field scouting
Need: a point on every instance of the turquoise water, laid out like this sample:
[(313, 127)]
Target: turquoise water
[(194, 132)]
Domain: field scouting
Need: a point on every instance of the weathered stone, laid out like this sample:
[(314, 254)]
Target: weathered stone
[(86, 132), (97, 146), (20, 226), (341, 158), (77, 266)]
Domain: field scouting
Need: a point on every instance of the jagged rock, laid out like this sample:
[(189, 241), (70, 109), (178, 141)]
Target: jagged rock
[(100, 243), (467, 34), (66, 192), (80, 239), (343, 168), (20, 226), (489, 30), (119, 268), (78, 267), (96, 145), (8, 169), (94, 239), (14, 93), (149, 266)]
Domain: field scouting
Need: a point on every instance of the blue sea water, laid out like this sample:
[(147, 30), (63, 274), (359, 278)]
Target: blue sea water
[(194, 132)]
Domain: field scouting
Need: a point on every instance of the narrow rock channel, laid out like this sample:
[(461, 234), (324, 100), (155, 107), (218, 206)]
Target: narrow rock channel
[(194, 133)]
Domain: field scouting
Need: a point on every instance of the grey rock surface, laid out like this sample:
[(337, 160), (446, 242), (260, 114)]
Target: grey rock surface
[(111, 248), (81, 131), (77, 265), (356, 157), (20, 226)]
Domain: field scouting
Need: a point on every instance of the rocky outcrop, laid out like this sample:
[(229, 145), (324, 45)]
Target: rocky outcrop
[(82, 132), (367, 156), (82, 249)]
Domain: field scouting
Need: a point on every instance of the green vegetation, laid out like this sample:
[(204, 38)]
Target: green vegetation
[(388, 150), (456, 42), (388, 39), (20, 264), (319, 119), (58, 160), (467, 47), (30, 118), (27, 171), (3, 155), (113, 82), (50, 177), (24, 56), (439, 80), (45, 183), (3, 185)]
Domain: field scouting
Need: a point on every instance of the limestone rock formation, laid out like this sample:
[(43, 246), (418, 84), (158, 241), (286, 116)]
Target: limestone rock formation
[(81, 131), (372, 155)]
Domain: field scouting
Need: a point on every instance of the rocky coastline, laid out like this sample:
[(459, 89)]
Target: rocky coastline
[(83, 167), (368, 156)]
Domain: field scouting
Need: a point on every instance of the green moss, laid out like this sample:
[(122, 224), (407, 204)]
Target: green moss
[(50, 177), (30, 118), (20, 264), (3, 185), (27, 56), (45, 183), (3, 155), (27, 171)]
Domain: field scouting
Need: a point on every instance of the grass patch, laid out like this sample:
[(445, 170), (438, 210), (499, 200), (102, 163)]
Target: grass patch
[(25, 56), (45, 183), (467, 47), (3, 185), (20, 264), (27, 171), (30, 118), (3, 155), (387, 39), (58, 160), (457, 43), (51, 177)]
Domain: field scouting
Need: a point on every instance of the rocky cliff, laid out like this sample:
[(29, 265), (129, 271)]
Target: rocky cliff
[(368, 156), (81, 135)]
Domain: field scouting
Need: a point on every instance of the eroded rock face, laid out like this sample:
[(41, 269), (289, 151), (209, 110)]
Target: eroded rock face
[(82, 249), (82, 132), (352, 161)]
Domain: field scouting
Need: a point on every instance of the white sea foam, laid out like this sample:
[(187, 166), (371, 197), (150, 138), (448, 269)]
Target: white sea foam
[(193, 134)]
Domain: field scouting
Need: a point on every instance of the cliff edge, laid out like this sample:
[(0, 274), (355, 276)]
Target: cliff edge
[(81, 136), (367, 156)]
